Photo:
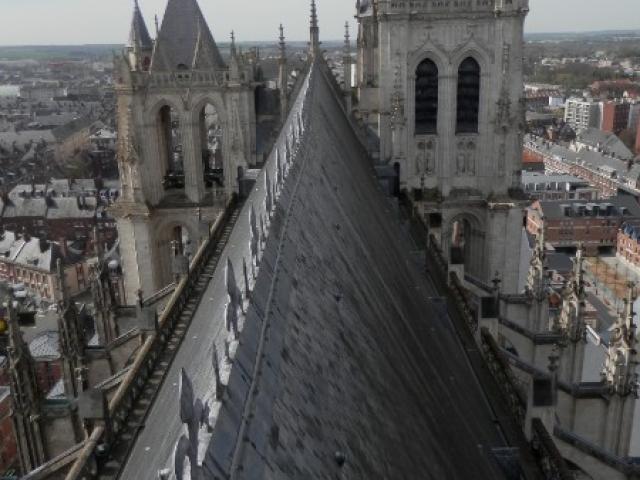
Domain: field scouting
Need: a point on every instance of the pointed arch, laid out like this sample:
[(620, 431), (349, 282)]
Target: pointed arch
[(426, 97), (468, 96)]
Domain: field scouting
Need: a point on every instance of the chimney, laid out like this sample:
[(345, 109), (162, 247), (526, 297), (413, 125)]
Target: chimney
[(79, 202), (63, 248), (44, 244)]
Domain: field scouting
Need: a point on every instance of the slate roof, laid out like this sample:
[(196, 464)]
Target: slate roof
[(185, 40), (139, 34), (45, 346), (71, 208), (25, 137), (55, 120), (28, 207), (355, 358), (64, 186), (31, 253), (57, 392), (555, 182), (560, 262), (69, 129), (555, 209), (608, 142), (5, 392), (592, 159)]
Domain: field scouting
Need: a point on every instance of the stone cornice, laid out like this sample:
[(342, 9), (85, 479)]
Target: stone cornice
[(130, 210)]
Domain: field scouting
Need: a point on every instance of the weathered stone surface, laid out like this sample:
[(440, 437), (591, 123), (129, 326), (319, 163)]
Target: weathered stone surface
[(344, 367)]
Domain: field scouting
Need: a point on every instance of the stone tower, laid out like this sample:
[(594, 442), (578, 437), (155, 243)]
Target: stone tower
[(619, 374), (27, 398), (442, 83), (186, 125)]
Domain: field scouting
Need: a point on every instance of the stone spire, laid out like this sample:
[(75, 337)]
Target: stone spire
[(537, 281), (185, 40), (234, 61), (283, 76), (139, 35), (619, 371), (346, 59), (282, 44), (72, 341), (347, 40), (140, 45), (314, 45), (571, 322)]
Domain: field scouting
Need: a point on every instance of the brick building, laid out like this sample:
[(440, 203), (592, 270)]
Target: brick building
[(532, 161), (45, 350), (605, 172), (61, 209), (31, 264), (615, 116), (570, 223), (628, 246), (540, 186)]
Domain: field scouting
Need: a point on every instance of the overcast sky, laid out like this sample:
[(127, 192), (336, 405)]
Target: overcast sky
[(41, 22)]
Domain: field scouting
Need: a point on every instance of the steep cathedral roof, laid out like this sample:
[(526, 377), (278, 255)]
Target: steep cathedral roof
[(358, 364), (139, 34), (185, 41)]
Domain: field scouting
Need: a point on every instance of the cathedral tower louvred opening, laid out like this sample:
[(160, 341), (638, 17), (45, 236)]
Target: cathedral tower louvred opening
[(468, 102), (442, 85), (427, 97), (187, 130)]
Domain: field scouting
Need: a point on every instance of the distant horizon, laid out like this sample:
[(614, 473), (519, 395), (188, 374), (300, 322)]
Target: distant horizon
[(336, 40), (96, 22)]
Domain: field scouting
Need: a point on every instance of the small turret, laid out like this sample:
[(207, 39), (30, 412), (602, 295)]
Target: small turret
[(234, 62), (283, 76), (537, 281), (346, 59), (314, 44), (619, 371), (571, 321), (509, 6), (140, 45)]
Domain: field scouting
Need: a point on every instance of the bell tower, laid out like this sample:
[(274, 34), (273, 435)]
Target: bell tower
[(442, 83), (186, 129)]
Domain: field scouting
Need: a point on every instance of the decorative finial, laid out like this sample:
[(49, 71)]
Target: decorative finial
[(314, 45), (629, 301), (233, 42), (282, 42), (157, 26), (314, 14)]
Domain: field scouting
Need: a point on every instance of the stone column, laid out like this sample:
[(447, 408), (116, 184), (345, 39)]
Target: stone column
[(192, 155)]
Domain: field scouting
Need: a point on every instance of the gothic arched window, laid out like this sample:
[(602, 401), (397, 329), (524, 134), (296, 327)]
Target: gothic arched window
[(426, 97), (468, 96)]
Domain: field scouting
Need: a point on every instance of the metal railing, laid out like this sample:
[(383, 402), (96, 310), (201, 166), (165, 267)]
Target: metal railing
[(135, 380)]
